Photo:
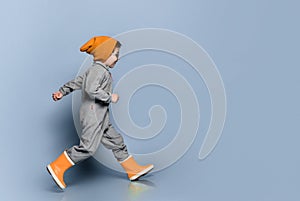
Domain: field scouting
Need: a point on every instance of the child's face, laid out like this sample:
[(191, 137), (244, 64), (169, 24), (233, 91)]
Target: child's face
[(113, 59)]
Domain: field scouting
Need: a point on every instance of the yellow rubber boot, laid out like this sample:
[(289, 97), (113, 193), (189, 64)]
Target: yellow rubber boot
[(58, 167), (134, 170)]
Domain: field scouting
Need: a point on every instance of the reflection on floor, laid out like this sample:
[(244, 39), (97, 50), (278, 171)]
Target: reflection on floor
[(136, 191), (137, 188)]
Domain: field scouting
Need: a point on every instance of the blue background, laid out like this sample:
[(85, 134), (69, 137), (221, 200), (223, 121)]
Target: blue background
[(255, 45)]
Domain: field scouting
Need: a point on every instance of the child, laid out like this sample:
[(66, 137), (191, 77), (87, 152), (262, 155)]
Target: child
[(96, 87)]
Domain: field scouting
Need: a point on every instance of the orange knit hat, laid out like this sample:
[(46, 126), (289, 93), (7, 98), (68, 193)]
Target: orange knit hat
[(100, 47)]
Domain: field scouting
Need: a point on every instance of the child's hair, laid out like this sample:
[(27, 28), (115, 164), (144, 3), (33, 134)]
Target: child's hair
[(118, 45)]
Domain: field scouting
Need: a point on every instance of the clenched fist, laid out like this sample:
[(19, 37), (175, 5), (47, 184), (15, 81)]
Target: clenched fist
[(57, 96), (114, 98)]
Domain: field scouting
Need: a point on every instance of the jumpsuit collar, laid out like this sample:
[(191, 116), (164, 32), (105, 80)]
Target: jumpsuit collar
[(102, 64)]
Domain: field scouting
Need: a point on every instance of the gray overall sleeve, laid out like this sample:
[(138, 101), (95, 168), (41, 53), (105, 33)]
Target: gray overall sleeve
[(95, 83), (72, 85)]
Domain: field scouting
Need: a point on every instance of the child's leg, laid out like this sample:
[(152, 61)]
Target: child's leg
[(111, 139), (89, 142)]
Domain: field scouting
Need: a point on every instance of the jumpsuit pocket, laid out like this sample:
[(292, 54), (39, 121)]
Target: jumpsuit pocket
[(87, 114)]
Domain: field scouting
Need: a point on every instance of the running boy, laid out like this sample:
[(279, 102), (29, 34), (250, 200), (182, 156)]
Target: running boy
[(96, 87)]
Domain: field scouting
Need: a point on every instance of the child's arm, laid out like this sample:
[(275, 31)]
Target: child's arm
[(96, 81), (67, 88)]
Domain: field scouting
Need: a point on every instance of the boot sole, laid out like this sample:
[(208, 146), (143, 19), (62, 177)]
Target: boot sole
[(142, 173), (55, 179)]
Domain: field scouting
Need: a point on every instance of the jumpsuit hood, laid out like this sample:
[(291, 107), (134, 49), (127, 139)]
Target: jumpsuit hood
[(101, 47)]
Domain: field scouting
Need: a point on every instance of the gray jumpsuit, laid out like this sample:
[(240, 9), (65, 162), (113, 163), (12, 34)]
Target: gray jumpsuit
[(96, 87)]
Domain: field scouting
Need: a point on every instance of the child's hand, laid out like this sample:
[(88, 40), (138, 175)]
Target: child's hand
[(114, 98), (57, 95)]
